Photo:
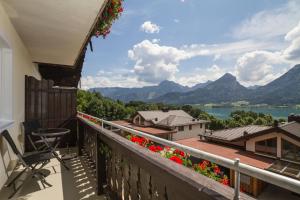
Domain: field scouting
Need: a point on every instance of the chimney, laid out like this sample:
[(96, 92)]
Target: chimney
[(293, 117), (245, 133), (276, 123), (156, 119)]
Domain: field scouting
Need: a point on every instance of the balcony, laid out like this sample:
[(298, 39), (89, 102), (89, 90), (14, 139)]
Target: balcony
[(109, 165)]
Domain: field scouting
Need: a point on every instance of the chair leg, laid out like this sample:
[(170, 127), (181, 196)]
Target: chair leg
[(14, 179)]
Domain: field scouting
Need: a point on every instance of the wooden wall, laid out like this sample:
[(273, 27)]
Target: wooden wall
[(51, 106)]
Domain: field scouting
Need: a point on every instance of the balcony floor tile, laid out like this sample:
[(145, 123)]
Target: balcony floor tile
[(78, 183)]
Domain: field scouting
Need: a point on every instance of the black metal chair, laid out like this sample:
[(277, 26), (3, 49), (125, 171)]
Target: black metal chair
[(30, 162), (36, 142)]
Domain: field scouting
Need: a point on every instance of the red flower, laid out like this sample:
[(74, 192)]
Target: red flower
[(205, 162), (155, 148), (120, 10), (202, 166), (217, 170), (225, 181), (152, 148), (176, 159), (159, 148), (179, 152)]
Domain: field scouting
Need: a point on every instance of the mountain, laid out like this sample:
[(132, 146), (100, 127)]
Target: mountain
[(283, 90), (200, 85), (225, 89), (253, 87), (141, 94)]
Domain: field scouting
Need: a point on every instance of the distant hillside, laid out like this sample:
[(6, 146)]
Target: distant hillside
[(283, 90), (141, 94), (225, 89)]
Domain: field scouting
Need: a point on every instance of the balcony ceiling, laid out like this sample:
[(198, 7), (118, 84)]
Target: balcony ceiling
[(54, 31)]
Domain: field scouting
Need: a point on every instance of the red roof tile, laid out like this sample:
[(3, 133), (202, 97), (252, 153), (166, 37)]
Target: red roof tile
[(149, 130), (228, 152)]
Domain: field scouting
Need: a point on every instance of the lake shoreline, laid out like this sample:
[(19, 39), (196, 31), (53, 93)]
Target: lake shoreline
[(277, 112)]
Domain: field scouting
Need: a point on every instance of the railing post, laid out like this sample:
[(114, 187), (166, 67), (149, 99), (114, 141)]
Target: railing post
[(100, 166), (79, 138), (237, 179)]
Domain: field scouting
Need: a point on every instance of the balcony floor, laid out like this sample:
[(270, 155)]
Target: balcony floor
[(76, 184)]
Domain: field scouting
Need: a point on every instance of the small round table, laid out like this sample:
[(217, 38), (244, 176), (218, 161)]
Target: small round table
[(53, 133)]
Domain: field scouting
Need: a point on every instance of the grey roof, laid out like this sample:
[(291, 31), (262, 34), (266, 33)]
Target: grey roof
[(169, 118), (292, 128), (235, 133), (173, 120)]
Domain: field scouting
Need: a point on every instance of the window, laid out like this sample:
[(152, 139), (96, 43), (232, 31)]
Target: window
[(268, 146), (290, 151), (5, 81), (180, 128), (190, 127), (201, 126)]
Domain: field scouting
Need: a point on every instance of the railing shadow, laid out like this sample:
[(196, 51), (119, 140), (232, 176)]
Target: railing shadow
[(80, 182)]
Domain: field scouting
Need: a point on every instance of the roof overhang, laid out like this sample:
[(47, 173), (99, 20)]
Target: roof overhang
[(54, 31)]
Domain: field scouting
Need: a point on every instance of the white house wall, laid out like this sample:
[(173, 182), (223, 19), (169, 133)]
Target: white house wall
[(21, 65), (250, 144), (196, 130)]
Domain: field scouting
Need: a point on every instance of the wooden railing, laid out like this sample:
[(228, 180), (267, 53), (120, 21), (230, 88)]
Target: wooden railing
[(128, 171)]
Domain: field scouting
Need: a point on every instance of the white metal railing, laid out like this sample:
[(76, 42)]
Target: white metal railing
[(264, 175)]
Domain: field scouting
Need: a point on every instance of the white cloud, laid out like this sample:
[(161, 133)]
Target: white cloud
[(261, 67), (155, 40), (111, 79), (292, 53), (201, 75), (258, 67), (150, 27), (154, 63), (294, 33), (270, 23), (217, 57)]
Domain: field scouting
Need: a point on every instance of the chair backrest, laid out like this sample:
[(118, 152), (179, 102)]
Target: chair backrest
[(30, 126), (11, 143)]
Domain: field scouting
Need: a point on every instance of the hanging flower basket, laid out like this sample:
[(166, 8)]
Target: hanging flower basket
[(111, 12)]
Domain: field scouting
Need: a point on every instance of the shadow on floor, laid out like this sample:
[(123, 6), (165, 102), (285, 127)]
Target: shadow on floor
[(76, 184)]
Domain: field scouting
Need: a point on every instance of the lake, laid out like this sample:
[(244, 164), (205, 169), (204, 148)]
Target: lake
[(276, 112)]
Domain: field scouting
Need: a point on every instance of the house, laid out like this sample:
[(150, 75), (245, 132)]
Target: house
[(273, 148), (44, 40), (168, 124)]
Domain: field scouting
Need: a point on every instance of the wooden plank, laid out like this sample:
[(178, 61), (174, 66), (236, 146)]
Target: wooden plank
[(145, 184), (47, 105)]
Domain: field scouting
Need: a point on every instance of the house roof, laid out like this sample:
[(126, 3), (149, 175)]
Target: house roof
[(291, 128), (149, 130), (248, 158), (169, 118), (236, 133)]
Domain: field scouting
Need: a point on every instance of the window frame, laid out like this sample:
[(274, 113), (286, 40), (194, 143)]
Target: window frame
[(265, 147), (180, 128), (282, 153), (6, 89)]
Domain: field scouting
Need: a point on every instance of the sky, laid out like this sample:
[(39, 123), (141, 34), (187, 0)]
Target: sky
[(192, 41)]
